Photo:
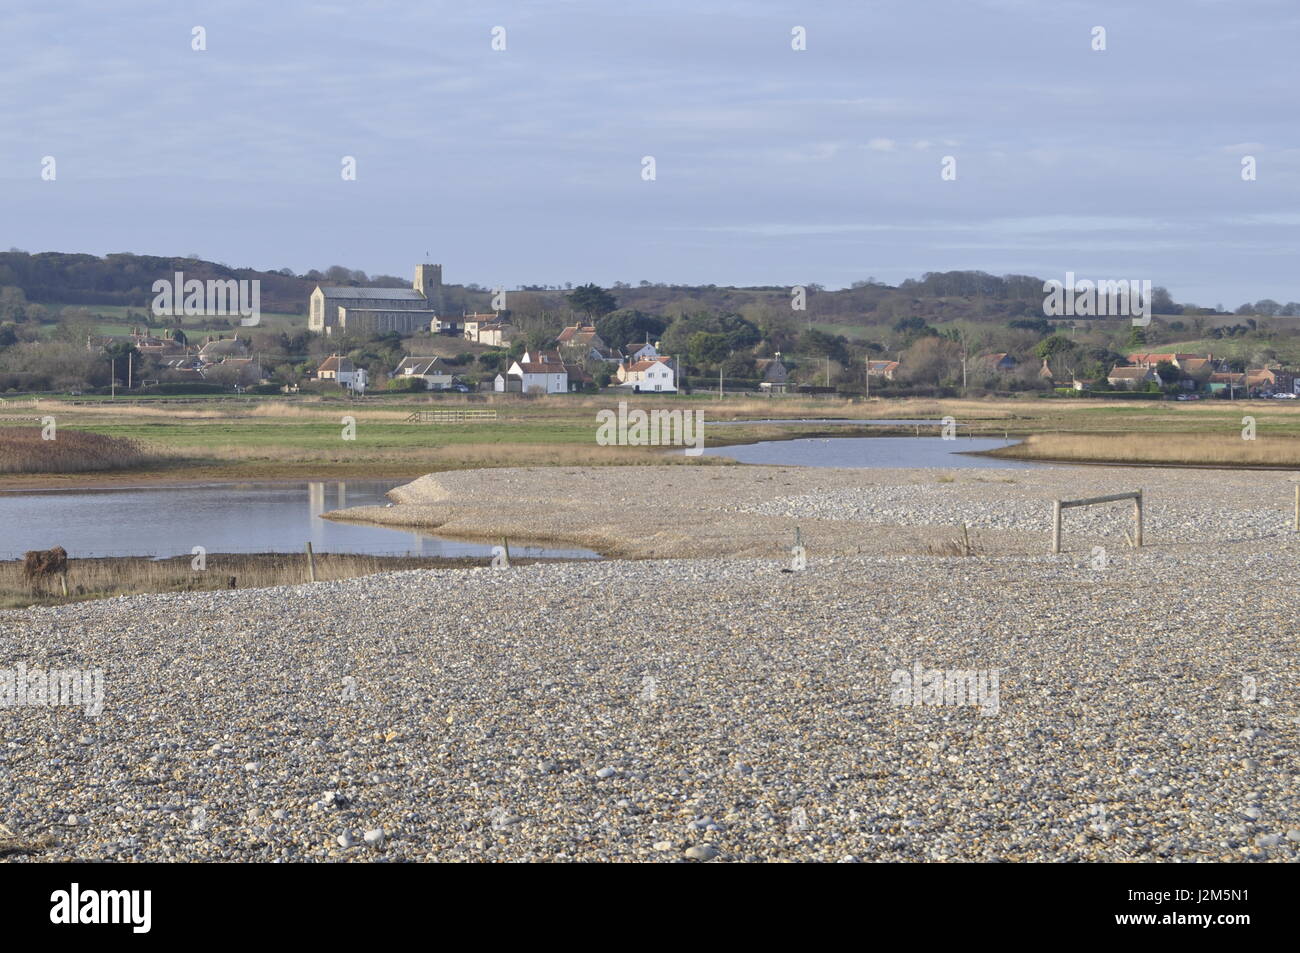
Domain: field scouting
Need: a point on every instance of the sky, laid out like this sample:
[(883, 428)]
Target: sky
[(772, 166)]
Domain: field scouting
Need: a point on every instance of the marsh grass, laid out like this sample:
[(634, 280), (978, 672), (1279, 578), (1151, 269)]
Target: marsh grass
[(105, 577), (1186, 449), (23, 450)]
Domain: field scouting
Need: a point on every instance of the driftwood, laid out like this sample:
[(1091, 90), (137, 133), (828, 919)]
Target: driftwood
[(39, 563)]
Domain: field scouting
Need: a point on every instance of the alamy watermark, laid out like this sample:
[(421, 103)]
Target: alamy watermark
[(38, 688), (948, 687), (658, 428), (1087, 299), (179, 296)]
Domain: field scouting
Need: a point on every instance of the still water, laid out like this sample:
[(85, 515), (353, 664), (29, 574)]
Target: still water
[(874, 452), (222, 518)]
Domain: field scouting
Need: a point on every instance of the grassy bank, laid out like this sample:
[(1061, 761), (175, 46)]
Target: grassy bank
[(198, 439)]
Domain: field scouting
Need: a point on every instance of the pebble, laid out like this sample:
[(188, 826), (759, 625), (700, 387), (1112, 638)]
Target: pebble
[(701, 852)]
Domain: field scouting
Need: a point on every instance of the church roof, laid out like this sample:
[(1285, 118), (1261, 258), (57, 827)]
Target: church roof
[(375, 294)]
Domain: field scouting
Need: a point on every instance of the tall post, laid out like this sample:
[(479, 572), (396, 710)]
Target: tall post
[(1056, 526), (311, 564), (112, 377), (1295, 522), (1137, 520)]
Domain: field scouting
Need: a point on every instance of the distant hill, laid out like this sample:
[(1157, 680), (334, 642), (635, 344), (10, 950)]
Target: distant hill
[(126, 280)]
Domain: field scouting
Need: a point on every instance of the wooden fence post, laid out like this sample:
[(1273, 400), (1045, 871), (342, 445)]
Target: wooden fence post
[(1137, 520), (1295, 521), (1135, 496), (311, 564)]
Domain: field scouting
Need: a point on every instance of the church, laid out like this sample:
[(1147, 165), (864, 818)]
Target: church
[(376, 310)]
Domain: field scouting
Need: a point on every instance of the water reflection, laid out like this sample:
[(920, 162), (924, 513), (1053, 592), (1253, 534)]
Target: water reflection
[(223, 518)]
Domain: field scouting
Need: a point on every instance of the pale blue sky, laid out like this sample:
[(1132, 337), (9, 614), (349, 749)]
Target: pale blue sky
[(773, 166)]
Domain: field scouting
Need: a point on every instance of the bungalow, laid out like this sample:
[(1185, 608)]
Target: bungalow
[(1132, 378), (435, 375), (885, 369)]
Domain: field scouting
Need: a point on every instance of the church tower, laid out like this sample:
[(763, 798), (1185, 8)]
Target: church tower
[(428, 281)]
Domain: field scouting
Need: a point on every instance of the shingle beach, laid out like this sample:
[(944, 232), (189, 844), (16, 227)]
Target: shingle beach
[(710, 705)]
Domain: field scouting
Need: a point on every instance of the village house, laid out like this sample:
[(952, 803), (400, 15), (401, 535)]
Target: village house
[(496, 333), (657, 375), (429, 369), (1153, 359), (239, 372), (376, 310), (1231, 381), (642, 352), (157, 347), (579, 337), (1266, 381), (885, 369), (540, 373), (999, 362), (1132, 378), (451, 326), (776, 376), (472, 322), (343, 372), (578, 377), (215, 349)]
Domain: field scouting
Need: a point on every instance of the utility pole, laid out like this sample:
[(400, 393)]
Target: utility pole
[(130, 369), (867, 363), (719, 382), (112, 377)]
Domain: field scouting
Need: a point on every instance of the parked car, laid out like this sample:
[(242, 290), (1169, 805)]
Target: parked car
[(1286, 396)]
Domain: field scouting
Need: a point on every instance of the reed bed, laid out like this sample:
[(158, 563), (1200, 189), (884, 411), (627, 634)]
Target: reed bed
[(1229, 450), (104, 577), (24, 450)]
